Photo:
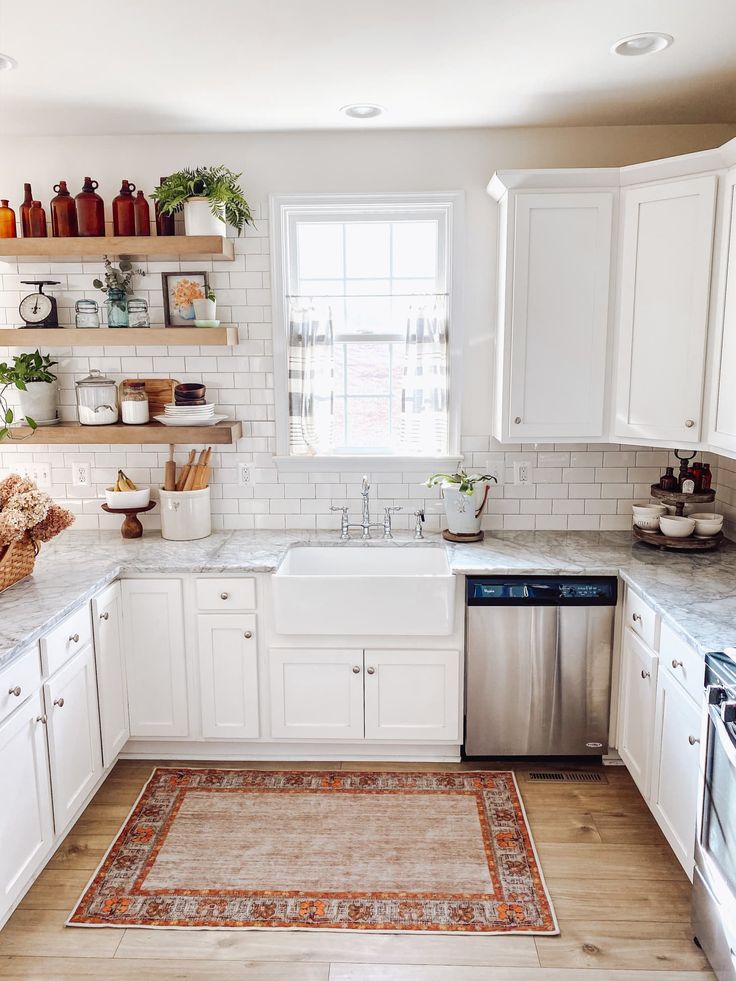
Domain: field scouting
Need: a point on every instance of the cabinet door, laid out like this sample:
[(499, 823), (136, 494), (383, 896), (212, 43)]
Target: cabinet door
[(724, 426), (155, 658), (638, 693), (73, 726), (316, 694), (26, 824), (674, 798), (557, 323), (667, 247), (412, 695), (228, 674), (111, 682)]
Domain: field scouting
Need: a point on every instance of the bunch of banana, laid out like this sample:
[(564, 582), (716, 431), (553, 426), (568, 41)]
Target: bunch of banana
[(124, 483)]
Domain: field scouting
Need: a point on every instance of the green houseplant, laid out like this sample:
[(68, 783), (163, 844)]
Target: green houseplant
[(210, 197), (117, 285), (37, 388), (465, 497)]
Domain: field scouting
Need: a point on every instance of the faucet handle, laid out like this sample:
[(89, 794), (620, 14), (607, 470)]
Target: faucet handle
[(419, 515), (343, 509), (365, 484), (390, 510)]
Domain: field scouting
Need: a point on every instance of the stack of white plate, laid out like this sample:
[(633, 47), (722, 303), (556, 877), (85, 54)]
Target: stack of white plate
[(189, 415)]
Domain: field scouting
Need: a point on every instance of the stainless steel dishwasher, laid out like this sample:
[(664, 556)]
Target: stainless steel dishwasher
[(538, 674)]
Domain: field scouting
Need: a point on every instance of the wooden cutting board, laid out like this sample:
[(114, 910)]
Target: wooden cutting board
[(160, 392)]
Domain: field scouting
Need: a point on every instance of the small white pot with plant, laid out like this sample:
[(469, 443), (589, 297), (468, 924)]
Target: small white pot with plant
[(210, 198), (37, 387), (205, 309), (465, 497)]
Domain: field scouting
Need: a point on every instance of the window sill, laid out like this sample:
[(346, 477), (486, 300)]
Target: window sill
[(370, 464)]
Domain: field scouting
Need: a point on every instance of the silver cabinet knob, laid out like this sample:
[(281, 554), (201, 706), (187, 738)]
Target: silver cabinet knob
[(41, 719), (224, 596), (104, 616), (693, 740), (59, 702), (74, 639), (636, 617), (356, 669), (645, 674), (676, 664), (689, 423), (517, 420), (15, 691), (370, 670), (248, 634)]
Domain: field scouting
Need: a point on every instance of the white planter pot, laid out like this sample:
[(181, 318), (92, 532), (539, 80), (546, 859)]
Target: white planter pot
[(199, 220), (460, 509), (185, 515), (39, 400), (204, 309)]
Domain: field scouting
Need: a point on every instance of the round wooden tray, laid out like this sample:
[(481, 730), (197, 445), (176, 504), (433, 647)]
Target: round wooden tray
[(689, 544), (679, 500)]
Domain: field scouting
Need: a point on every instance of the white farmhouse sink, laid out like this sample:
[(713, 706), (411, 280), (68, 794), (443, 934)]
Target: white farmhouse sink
[(398, 591)]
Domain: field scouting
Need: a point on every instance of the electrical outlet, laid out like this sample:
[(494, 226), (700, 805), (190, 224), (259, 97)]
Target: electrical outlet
[(244, 474), (80, 474), (39, 473), (522, 472)]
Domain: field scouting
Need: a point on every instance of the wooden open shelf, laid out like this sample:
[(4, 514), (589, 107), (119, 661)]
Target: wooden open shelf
[(141, 247), (33, 337), (154, 432)]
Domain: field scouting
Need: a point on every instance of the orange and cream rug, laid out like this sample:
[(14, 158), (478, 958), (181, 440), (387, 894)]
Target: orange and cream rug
[(323, 850)]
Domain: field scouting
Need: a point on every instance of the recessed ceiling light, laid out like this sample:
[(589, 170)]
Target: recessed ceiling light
[(642, 44), (6, 63), (362, 110)]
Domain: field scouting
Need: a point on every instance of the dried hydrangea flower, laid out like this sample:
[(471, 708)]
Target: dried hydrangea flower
[(14, 484), (57, 520), (12, 527)]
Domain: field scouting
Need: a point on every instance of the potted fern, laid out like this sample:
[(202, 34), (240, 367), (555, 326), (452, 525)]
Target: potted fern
[(31, 376), (210, 198), (465, 497)]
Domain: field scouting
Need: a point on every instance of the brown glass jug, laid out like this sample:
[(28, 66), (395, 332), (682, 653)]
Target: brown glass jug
[(7, 220), (123, 211), (90, 210), (37, 220), (142, 214), (25, 209), (165, 224), (63, 213)]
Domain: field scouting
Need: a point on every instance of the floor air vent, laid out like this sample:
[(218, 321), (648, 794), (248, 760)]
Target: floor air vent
[(565, 776)]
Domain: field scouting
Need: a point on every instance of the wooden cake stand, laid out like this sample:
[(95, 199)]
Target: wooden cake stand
[(131, 527), (678, 500)]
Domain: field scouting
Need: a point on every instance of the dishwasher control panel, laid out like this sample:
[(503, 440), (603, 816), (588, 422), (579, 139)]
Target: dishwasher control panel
[(541, 590)]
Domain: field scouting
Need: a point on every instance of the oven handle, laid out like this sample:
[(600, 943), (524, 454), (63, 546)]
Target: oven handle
[(719, 725)]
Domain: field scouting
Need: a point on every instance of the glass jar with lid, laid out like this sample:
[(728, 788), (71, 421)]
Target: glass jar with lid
[(97, 402), (134, 403), (87, 314), (138, 312)]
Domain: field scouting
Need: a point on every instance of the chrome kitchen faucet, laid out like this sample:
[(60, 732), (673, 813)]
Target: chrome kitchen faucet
[(365, 524)]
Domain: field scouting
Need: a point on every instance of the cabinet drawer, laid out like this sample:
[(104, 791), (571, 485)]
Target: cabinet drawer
[(19, 680), (641, 618), (682, 662), (226, 595), (64, 641)]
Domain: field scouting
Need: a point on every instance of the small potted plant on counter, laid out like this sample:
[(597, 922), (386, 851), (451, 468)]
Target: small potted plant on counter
[(31, 376), (465, 497), (210, 197)]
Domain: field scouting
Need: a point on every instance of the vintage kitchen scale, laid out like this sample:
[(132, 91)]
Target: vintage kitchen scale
[(39, 309)]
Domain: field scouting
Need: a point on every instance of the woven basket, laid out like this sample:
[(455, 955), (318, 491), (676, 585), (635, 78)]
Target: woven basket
[(16, 561)]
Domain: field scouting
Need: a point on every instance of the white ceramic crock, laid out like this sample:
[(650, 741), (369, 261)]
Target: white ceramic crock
[(199, 220), (39, 400), (460, 509), (185, 515), (204, 309)]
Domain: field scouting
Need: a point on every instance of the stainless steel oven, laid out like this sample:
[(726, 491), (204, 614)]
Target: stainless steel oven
[(714, 884)]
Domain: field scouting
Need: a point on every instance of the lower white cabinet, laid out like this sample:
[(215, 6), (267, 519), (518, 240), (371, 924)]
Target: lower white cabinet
[(228, 675), (638, 693), (155, 658), (316, 694), (26, 822), (412, 695), (111, 681), (73, 730)]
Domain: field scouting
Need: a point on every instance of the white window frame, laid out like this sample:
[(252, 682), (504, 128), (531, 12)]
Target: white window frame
[(285, 209)]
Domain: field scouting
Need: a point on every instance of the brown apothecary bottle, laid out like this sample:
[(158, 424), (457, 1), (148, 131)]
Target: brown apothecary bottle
[(142, 214), (668, 481), (165, 224), (7, 220), (123, 211), (37, 221), (90, 211), (63, 213), (25, 210)]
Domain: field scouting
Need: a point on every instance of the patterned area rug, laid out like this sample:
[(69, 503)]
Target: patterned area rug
[(296, 850)]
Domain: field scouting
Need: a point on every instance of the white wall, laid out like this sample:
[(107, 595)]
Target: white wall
[(319, 162)]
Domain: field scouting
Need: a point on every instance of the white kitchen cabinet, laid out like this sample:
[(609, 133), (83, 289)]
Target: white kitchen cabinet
[(638, 694), (663, 299), (723, 429), (73, 730), (554, 315), (674, 786), (412, 695), (228, 674), (112, 690), (316, 694), (26, 822), (155, 658)]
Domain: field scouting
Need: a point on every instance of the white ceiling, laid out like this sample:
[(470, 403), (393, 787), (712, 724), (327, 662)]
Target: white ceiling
[(157, 66)]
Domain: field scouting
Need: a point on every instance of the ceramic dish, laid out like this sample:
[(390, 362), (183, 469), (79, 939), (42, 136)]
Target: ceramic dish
[(646, 516), (206, 323), (189, 421), (128, 499), (707, 524), (676, 527)]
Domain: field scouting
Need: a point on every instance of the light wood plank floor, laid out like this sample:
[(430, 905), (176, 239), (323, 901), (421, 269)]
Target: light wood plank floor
[(620, 895)]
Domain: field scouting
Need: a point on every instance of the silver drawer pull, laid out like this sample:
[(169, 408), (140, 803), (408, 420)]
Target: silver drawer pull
[(74, 639), (224, 596), (15, 691), (677, 664), (41, 719), (356, 669), (693, 740), (105, 616), (636, 617), (370, 670), (645, 674), (689, 423), (517, 420), (248, 634), (59, 702)]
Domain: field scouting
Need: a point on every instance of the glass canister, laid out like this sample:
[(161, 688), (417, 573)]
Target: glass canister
[(87, 313), (97, 400), (116, 305), (134, 403), (138, 312)]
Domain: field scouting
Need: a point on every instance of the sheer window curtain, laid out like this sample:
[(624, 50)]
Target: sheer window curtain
[(311, 379), (424, 396)]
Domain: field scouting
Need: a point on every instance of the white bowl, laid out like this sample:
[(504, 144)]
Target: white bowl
[(676, 527), (706, 524), (118, 500), (647, 522), (647, 516)]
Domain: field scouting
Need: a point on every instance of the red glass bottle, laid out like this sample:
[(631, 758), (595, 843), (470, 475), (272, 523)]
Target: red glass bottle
[(25, 209), (37, 220), (697, 472), (7, 220), (123, 211), (142, 214), (707, 480), (90, 211), (165, 224), (63, 213)]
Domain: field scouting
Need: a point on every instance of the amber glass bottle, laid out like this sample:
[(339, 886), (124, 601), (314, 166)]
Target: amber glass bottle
[(25, 209), (165, 224), (90, 210), (123, 211), (7, 220), (63, 213), (142, 214), (37, 220)]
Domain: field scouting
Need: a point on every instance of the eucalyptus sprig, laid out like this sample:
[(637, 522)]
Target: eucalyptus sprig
[(465, 482), (25, 368), (118, 278), (218, 184)]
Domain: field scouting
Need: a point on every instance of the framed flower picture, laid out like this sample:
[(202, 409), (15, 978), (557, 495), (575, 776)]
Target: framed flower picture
[(179, 291)]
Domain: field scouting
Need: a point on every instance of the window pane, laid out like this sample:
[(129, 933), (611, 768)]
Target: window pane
[(319, 250), (368, 423), (372, 314), (368, 369), (367, 249), (320, 287), (415, 249)]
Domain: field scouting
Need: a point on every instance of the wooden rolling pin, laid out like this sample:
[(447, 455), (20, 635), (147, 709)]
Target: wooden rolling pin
[(185, 471), (198, 473), (170, 471), (202, 478)]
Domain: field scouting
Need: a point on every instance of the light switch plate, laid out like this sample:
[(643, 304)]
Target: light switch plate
[(39, 472)]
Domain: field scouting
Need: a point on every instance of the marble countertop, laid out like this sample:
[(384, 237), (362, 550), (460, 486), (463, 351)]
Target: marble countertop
[(696, 594)]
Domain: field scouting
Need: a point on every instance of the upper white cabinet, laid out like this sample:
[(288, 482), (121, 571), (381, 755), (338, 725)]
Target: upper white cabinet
[(554, 299), (666, 257), (112, 688), (723, 428)]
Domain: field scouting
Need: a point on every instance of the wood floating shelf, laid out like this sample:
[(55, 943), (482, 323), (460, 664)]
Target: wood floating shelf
[(140, 246), (33, 337), (154, 432)]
